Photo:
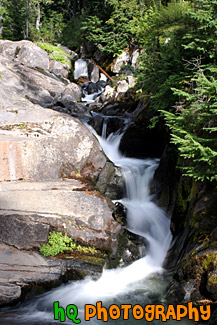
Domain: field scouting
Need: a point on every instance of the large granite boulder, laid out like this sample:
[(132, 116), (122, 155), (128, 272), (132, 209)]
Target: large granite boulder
[(26, 53), (29, 76), (29, 210), (39, 144)]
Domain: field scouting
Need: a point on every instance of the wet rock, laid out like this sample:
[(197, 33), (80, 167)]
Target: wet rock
[(166, 180), (78, 110), (120, 214), (92, 88), (192, 258), (111, 182), (129, 248), (213, 319), (139, 140), (22, 270), (102, 83), (175, 293), (97, 123)]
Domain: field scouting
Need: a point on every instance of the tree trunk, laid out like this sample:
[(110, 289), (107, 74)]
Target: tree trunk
[(1, 25), (26, 35), (74, 7), (38, 19)]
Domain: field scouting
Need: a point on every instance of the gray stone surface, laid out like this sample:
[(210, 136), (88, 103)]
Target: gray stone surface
[(48, 149), (59, 69), (21, 269), (29, 210), (29, 76), (25, 52), (121, 60)]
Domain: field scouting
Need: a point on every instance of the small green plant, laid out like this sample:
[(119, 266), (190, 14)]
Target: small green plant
[(21, 126), (57, 243), (60, 54), (60, 57)]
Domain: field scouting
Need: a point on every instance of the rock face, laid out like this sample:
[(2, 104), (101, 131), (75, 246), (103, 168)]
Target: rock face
[(21, 270), (192, 258), (59, 69), (28, 76), (121, 60), (49, 164), (26, 53), (46, 145), (127, 57), (30, 210)]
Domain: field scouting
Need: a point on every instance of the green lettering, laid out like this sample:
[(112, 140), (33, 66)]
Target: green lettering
[(72, 315), (59, 312)]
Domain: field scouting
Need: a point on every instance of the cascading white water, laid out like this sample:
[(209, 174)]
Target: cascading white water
[(90, 98), (144, 218), (81, 69)]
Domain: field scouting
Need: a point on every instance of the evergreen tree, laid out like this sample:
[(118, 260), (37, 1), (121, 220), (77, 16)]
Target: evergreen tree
[(202, 31), (194, 125)]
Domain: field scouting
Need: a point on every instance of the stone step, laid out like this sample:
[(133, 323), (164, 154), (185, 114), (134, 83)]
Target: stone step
[(29, 210)]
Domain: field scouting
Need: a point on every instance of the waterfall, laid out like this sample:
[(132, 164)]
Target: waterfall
[(144, 218), (81, 69)]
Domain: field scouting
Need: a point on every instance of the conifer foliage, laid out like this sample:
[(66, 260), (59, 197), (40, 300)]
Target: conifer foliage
[(194, 125)]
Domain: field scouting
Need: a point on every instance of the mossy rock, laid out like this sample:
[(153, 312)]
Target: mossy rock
[(212, 286)]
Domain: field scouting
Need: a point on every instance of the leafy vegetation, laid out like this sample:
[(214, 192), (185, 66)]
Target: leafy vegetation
[(57, 243), (55, 52)]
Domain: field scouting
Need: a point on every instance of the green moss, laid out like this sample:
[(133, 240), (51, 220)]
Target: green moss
[(93, 260), (60, 56), (213, 280), (209, 262)]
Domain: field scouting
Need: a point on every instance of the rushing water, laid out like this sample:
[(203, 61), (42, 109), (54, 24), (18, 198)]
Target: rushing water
[(81, 69), (142, 282)]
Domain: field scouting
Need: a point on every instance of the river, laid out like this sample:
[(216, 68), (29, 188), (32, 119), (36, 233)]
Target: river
[(143, 282)]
